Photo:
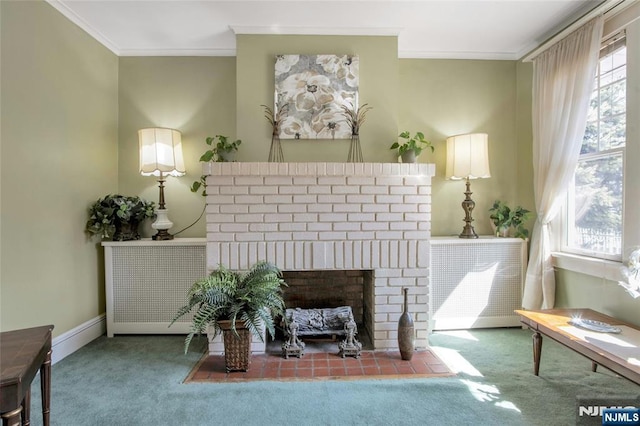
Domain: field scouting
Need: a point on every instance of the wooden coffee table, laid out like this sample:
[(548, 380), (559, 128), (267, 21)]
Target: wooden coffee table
[(619, 353)]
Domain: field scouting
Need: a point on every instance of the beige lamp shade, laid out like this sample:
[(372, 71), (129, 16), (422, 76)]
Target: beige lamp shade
[(161, 152), (468, 156)]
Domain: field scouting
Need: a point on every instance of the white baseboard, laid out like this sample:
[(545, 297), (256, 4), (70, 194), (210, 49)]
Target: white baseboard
[(72, 340)]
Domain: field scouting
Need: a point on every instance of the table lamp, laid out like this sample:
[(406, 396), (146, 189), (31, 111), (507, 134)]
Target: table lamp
[(468, 158), (161, 155)]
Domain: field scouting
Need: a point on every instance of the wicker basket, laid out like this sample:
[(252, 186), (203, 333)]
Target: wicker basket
[(237, 348)]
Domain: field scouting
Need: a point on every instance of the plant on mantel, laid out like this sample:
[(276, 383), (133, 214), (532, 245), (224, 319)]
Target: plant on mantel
[(222, 151), (412, 147)]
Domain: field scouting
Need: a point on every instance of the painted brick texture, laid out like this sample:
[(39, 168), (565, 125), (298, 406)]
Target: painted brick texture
[(329, 216)]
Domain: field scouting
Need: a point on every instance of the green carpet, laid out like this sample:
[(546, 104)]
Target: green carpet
[(137, 380)]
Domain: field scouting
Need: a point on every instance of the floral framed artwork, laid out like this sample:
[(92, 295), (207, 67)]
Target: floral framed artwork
[(313, 88)]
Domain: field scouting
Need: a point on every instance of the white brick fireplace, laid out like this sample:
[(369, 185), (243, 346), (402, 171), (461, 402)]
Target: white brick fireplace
[(329, 216)]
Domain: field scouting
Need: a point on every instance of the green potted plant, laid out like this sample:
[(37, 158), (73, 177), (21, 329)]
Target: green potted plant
[(412, 147), (118, 217), (504, 218), (237, 305), (223, 151)]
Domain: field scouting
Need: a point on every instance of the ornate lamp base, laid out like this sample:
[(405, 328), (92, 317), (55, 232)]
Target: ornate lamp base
[(162, 235), (162, 225), (468, 232), (468, 205)]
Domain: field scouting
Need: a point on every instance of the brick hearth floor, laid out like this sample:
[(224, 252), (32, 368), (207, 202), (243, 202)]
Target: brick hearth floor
[(327, 366)]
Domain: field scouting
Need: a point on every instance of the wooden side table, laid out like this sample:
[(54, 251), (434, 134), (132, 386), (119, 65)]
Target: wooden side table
[(22, 354)]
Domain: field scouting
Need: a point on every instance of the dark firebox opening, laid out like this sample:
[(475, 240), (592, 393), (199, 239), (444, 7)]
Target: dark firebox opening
[(333, 288)]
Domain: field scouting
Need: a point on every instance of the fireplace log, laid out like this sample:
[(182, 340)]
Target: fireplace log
[(315, 322)]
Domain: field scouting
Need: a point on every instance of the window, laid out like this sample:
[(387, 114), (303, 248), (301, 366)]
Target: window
[(595, 199)]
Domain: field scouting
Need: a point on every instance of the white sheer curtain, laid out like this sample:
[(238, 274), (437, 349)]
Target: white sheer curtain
[(563, 78)]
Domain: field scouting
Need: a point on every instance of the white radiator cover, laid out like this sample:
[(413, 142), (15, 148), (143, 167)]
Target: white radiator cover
[(476, 283), (147, 282)]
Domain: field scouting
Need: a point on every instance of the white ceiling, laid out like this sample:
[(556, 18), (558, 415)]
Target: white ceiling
[(463, 29)]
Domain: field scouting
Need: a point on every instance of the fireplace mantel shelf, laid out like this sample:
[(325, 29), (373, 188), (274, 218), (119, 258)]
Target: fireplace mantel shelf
[(319, 169)]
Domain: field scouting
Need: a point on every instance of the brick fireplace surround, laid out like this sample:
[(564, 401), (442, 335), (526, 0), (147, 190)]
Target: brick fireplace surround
[(329, 216)]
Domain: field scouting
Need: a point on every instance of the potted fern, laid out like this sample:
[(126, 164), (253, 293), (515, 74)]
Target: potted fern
[(236, 305)]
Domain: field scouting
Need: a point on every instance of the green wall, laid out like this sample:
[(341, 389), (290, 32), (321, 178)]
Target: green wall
[(449, 97), (59, 105), (204, 96), (438, 97), (576, 290), (378, 87), (524, 100), (70, 112), (195, 95)]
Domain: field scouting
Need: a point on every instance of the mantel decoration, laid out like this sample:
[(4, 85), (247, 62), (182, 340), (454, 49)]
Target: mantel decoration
[(315, 87), (223, 151), (355, 118), (275, 119), (237, 305), (410, 149), (118, 217), (631, 272)]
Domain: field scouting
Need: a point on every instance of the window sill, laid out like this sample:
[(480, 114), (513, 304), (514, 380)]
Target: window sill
[(600, 268)]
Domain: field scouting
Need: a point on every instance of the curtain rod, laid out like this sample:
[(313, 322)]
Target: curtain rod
[(605, 8)]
